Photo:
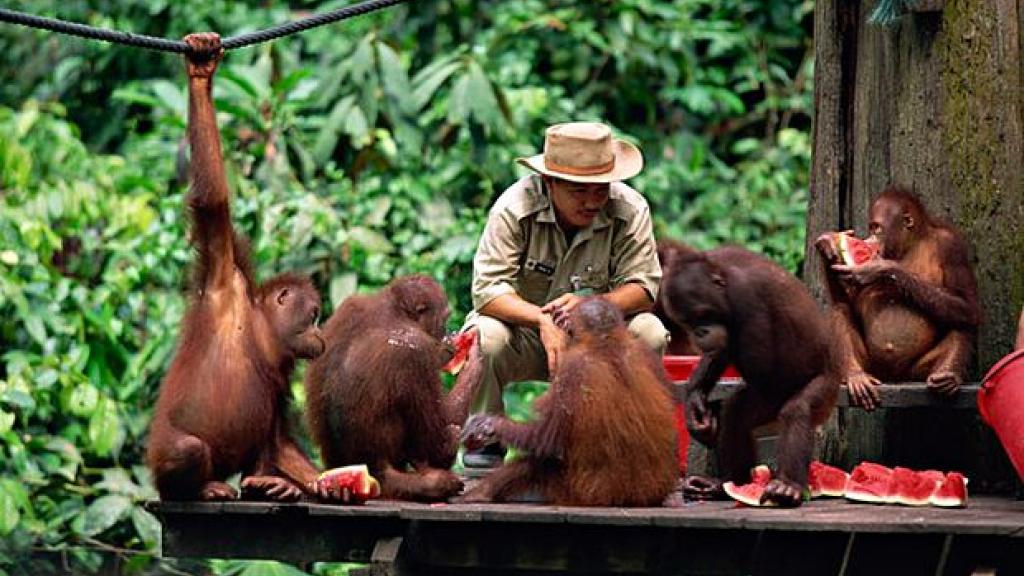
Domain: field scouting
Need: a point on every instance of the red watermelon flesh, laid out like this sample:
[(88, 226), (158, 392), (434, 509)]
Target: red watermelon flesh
[(761, 475), (852, 250), (463, 343), (750, 494), (825, 480), (911, 488), (869, 482), (952, 492), (356, 478)]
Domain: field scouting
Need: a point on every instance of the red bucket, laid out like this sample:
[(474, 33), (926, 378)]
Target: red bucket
[(1001, 404), (679, 369)]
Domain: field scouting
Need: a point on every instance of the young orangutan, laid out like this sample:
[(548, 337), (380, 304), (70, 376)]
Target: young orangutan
[(376, 396), (912, 313), (222, 405), (745, 310), (604, 432)]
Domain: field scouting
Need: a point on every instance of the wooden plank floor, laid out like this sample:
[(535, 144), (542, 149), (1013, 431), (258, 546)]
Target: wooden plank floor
[(827, 536)]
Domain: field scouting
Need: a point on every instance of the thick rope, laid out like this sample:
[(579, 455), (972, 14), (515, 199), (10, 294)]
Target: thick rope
[(177, 46), (74, 29), (307, 23)]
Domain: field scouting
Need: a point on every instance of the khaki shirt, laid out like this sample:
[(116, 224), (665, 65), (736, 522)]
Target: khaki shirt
[(523, 249)]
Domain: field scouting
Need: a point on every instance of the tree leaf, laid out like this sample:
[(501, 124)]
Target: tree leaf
[(428, 80), (268, 568), (6, 421), (35, 328), (482, 100), (147, 526), (371, 240), (104, 512), (458, 101), (394, 78), (106, 432), (342, 286), (357, 127), (9, 515), (171, 97), (327, 138), (83, 399)]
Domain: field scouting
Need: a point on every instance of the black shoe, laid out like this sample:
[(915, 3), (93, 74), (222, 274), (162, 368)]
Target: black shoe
[(490, 456)]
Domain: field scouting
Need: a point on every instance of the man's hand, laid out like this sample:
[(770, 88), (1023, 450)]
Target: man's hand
[(206, 52), (478, 431), (560, 309), (554, 340)]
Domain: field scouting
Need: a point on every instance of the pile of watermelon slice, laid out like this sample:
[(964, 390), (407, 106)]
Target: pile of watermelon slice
[(869, 482)]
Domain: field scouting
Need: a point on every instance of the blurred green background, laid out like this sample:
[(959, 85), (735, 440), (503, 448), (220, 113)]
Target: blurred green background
[(357, 152)]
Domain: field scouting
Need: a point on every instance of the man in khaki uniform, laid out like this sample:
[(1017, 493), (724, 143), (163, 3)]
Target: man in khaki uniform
[(567, 231)]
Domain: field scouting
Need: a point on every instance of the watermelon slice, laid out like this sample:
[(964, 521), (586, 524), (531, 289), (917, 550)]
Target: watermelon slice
[(952, 492), (825, 480), (869, 482), (356, 478), (912, 488), (853, 251), (750, 494), (463, 343)]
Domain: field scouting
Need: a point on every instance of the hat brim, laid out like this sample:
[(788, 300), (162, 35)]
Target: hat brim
[(628, 163)]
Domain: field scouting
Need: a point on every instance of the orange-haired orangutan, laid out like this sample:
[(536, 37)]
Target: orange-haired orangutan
[(376, 396), (912, 313), (221, 408), (604, 433)]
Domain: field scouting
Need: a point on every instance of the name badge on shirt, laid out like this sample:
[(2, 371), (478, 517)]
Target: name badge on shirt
[(542, 267)]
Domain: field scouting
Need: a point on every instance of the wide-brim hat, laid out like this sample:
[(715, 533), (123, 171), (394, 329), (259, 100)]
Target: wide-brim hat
[(585, 152)]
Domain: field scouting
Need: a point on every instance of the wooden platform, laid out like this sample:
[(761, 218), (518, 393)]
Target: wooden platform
[(822, 537), (897, 395)]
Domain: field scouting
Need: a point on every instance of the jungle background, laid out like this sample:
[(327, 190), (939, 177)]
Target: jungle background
[(357, 152)]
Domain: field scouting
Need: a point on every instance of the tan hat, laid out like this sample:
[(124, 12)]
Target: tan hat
[(585, 152)]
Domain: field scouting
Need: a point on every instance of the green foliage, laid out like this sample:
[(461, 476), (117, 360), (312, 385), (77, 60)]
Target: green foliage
[(356, 153)]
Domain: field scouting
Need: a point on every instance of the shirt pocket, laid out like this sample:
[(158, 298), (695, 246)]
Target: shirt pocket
[(594, 280), (534, 287)]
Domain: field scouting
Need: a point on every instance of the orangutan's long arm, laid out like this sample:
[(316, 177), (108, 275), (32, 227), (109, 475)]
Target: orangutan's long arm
[(208, 197)]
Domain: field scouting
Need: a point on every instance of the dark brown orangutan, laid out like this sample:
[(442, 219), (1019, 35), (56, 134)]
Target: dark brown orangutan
[(604, 432), (679, 340), (376, 395), (222, 404), (745, 310), (911, 314)]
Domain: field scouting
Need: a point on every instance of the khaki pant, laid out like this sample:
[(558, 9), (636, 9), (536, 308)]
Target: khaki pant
[(515, 353)]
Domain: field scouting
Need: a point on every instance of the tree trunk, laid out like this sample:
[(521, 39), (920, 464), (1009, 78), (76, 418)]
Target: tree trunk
[(935, 104)]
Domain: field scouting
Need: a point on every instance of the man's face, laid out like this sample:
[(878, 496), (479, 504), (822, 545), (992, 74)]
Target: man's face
[(576, 204)]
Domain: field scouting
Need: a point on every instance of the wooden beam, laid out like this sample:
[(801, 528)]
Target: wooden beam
[(706, 537), (898, 395)]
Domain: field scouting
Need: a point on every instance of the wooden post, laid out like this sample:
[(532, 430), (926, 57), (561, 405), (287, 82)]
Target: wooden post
[(933, 103)]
